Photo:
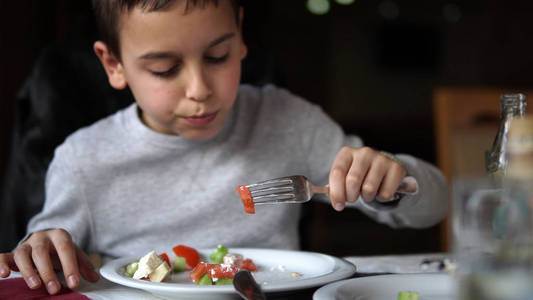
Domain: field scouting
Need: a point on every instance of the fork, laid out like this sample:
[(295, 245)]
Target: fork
[(247, 287), (298, 189)]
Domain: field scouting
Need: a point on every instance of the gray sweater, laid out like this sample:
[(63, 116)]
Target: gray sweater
[(120, 188)]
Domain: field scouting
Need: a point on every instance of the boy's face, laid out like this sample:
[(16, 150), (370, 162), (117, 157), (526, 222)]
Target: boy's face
[(183, 69)]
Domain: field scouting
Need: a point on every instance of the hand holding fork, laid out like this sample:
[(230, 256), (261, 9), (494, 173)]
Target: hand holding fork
[(297, 189)]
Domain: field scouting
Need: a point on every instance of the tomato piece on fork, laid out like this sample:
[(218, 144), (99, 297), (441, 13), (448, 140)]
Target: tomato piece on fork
[(246, 197)]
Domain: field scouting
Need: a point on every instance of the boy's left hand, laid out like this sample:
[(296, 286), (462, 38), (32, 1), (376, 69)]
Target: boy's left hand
[(363, 171)]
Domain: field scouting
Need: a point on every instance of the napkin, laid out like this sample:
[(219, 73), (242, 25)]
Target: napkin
[(16, 288)]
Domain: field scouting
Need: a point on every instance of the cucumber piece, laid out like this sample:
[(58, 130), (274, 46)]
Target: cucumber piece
[(224, 281), (408, 295), (179, 264), (217, 256), (205, 280), (131, 268)]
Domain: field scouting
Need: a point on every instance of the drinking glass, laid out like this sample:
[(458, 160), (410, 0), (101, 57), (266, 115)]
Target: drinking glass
[(491, 241)]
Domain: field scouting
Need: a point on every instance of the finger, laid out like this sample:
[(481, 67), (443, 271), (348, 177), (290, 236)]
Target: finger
[(9, 261), (373, 179), (390, 183), (86, 267), (66, 251), (337, 177), (6, 264), (22, 258), (41, 258), (357, 174)]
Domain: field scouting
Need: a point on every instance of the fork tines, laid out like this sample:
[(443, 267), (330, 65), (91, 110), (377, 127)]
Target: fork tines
[(273, 191)]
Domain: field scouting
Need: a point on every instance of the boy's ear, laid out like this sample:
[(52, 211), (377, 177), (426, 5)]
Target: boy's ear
[(112, 66), (244, 48)]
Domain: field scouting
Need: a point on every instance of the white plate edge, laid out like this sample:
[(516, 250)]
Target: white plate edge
[(342, 269)]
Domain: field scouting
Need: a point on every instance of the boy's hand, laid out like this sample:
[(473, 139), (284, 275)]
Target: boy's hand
[(363, 171), (41, 254)]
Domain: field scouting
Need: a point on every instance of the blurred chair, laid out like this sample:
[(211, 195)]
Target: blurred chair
[(466, 122), (66, 90)]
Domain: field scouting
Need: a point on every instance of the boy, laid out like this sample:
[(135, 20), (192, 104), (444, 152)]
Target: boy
[(164, 170)]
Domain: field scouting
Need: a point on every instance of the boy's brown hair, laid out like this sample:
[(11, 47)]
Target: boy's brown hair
[(108, 14)]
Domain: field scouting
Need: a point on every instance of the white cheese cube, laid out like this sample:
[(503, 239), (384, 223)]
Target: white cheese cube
[(147, 264), (160, 273), (232, 259)]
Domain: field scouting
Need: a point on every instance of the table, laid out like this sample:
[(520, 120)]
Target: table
[(366, 266)]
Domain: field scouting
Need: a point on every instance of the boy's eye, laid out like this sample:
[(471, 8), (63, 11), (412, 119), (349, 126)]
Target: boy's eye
[(216, 60), (166, 73)]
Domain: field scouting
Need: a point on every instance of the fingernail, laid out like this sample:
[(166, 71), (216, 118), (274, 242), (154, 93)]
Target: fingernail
[(93, 276), (33, 282), (3, 271), (339, 206), (72, 281), (53, 287), (96, 276)]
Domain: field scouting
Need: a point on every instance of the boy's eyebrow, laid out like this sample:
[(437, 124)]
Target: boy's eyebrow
[(221, 39), (157, 55), (165, 55)]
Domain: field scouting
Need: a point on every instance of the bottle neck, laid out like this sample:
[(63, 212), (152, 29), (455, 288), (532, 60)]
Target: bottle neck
[(511, 106)]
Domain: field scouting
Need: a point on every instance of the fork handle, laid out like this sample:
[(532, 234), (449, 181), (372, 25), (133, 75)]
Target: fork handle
[(408, 186), (320, 189)]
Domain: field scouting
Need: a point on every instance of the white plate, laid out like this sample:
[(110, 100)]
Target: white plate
[(274, 274), (428, 286)]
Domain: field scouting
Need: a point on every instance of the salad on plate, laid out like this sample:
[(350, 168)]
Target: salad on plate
[(218, 269)]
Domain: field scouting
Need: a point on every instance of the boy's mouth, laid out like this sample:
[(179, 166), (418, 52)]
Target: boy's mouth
[(201, 120)]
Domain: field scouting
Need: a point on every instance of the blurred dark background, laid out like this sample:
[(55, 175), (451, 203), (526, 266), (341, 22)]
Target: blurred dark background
[(372, 65)]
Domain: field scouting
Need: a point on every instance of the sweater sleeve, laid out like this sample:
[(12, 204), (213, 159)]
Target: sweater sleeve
[(428, 207), (65, 204)]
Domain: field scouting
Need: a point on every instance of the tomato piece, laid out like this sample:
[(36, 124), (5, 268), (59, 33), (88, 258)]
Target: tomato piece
[(249, 265), (198, 271), (192, 258), (246, 197), (165, 257), (220, 271)]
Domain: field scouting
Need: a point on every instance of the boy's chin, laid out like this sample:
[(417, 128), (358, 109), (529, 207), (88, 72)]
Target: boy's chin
[(199, 135)]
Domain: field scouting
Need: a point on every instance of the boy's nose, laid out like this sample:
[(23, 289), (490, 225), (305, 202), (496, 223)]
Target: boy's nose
[(197, 87)]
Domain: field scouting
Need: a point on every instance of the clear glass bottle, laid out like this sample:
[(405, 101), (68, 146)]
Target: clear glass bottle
[(516, 253), (512, 106), (507, 273), (518, 181)]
